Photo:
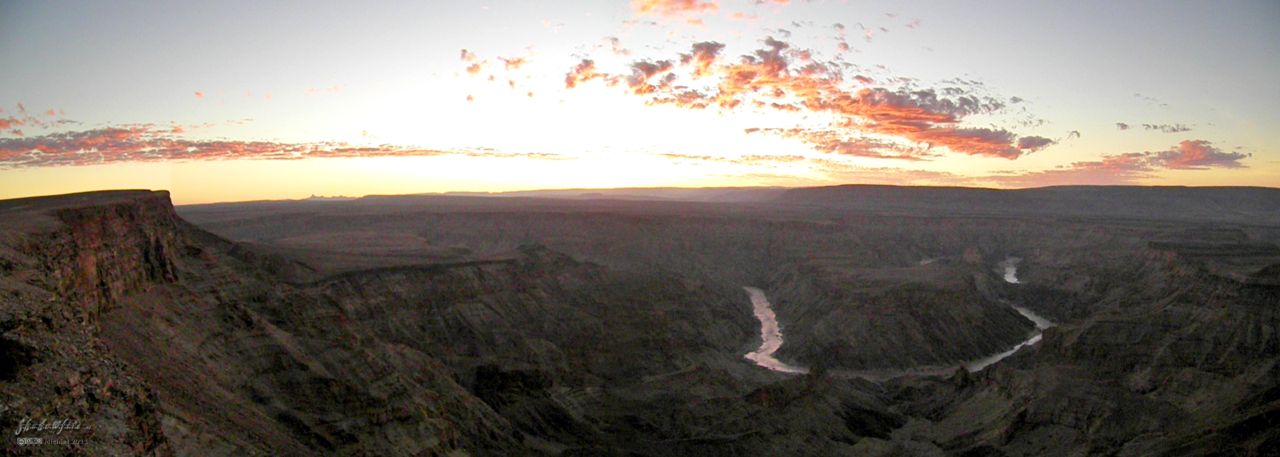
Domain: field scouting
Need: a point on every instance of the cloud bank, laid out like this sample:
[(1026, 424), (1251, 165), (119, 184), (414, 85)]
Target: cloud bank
[(866, 120), (149, 143)]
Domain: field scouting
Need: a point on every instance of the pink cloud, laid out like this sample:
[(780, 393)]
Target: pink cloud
[(1131, 167), (147, 143), (1197, 155), (24, 119)]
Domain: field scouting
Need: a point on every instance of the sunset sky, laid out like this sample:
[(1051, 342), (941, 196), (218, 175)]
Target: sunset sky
[(224, 101)]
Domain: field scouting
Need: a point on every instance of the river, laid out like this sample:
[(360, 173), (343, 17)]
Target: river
[(770, 335), (771, 340)]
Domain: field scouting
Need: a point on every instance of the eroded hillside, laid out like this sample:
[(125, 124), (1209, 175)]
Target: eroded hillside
[(460, 325)]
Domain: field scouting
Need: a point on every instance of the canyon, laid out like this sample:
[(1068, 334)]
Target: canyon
[(1056, 321)]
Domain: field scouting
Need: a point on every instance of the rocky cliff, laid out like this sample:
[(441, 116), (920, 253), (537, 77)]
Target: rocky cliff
[(160, 339)]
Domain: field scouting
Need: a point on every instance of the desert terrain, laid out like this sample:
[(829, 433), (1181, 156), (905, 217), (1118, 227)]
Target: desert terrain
[(848, 320)]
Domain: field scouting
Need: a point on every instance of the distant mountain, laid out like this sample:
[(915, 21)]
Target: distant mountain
[(699, 194), (1259, 205)]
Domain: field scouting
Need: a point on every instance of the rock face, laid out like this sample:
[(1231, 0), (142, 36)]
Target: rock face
[(162, 340), (531, 327), (865, 318), (544, 310), (206, 347)]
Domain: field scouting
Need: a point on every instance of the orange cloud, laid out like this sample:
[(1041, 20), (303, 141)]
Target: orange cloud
[(673, 7), (513, 63), (581, 73), (702, 57), (841, 143), (779, 77)]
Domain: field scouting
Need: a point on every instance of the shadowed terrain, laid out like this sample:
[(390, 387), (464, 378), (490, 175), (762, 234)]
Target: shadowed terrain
[(615, 322)]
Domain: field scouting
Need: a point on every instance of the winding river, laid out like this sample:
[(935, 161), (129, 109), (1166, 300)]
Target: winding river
[(771, 340), (770, 335)]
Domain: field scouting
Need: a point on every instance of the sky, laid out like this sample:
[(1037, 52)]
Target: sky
[(231, 101)]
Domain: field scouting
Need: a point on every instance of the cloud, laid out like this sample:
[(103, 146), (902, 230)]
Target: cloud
[(1035, 143), (702, 57), (849, 173), (584, 71), (325, 90), (1113, 169), (1129, 168), (669, 8), (615, 45), (513, 63), (740, 160), (149, 143), (780, 77), (1150, 99), (13, 123), (1167, 128), (641, 81), (1197, 155), (842, 143)]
